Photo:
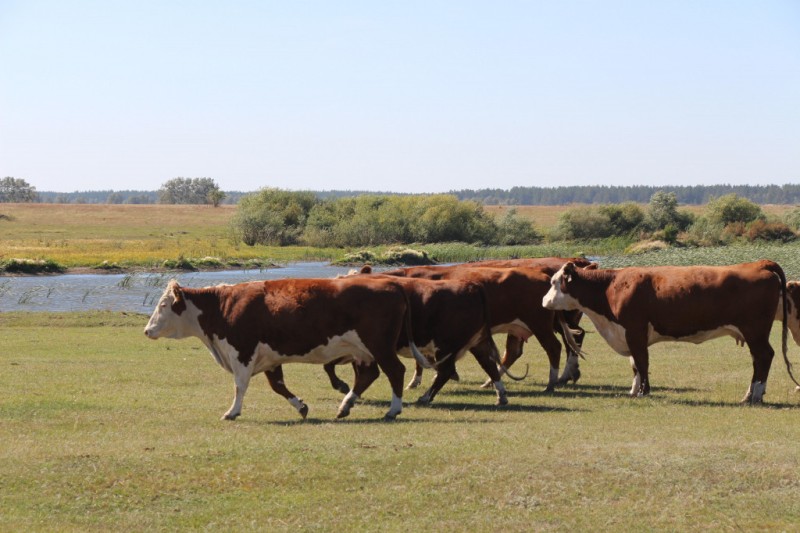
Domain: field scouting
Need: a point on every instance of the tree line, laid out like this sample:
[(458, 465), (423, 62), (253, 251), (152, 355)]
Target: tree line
[(196, 190), (604, 194)]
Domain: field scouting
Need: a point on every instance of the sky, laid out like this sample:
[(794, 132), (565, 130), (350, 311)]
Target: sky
[(403, 96)]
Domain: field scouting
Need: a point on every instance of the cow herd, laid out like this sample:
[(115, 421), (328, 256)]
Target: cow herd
[(436, 314)]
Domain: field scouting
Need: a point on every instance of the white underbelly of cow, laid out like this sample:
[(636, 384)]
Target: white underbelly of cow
[(701, 336), (348, 346), (517, 328), (614, 334)]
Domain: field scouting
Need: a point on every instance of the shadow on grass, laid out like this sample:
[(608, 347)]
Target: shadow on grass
[(732, 404)]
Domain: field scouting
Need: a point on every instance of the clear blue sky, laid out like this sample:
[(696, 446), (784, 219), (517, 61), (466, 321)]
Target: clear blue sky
[(407, 96)]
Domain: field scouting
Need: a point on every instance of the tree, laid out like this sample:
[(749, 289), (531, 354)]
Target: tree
[(188, 191), (17, 190), (215, 197), (663, 211), (114, 198)]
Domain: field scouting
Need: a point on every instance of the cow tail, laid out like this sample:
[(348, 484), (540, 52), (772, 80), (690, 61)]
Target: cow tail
[(778, 271), (418, 357)]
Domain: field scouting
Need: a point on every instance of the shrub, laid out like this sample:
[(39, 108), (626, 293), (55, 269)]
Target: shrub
[(32, 266), (704, 232), (513, 230), (272, 217), (731, 208), (624, 219), (179, 264), (583, 223), (770, 231)]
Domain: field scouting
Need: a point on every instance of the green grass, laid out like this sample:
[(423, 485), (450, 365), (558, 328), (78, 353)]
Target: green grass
[(103, 429)]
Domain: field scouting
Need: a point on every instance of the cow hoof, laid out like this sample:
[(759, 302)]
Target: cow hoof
[(304, 411), (342, 387), (797, 389), (550, 389), (502, 400), (488, 384), (229, 416), (388, 417), (455, 377), (343, 413), (424, 400)]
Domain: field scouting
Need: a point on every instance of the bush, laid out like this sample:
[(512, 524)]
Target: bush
[(731, 208), (770, 231), (32, 266), (583, 223), (706, 233), (272, 217), (792, 218), (179, 264), (513, 230)]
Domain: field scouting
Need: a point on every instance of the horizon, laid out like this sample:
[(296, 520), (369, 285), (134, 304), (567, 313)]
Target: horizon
[(412, 98)]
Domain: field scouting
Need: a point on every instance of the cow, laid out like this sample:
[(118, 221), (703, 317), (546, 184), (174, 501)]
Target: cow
[(549, 265), (513, 296), (449, 318), (570, 332), (633, 308), (255, 327)]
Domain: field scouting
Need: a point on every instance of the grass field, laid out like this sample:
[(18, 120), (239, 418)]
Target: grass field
[(103, 429), (144, 236)]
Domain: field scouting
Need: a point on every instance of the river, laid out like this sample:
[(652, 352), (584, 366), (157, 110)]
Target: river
[(136, 293)]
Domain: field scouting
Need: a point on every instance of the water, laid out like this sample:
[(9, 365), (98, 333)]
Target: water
[(136, 293)]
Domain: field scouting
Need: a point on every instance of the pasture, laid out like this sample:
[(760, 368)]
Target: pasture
[(103, 429)]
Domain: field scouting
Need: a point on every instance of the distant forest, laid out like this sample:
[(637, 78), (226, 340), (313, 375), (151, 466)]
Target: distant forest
[(686, 195)]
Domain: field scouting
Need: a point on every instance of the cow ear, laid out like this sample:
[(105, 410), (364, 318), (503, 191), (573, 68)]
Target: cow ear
[(366, 269), (591, 266), (177, 292), (569, 270)]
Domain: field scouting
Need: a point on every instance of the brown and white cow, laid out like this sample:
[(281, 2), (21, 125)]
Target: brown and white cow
[(572, 334), (255, 327), (449, 318), (513, 296), (633, 308), (549, 265)]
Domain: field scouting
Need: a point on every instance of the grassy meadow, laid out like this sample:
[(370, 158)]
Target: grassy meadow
[(103, 429)]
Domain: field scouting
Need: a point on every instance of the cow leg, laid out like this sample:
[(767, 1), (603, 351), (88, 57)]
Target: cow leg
[(395, 373), (572, 369), (641, 381), (513, 352), (483, 354), (275, 378), (365, 375), (443, 373), (552, 348), (416, 378), (336, 383), (241, 379), (762, 354)]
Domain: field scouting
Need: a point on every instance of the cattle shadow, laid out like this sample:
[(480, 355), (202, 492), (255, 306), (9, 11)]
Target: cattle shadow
[(737, 404)]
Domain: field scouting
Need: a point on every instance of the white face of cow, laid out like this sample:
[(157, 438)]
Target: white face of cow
[(164, 322), (556, 298)]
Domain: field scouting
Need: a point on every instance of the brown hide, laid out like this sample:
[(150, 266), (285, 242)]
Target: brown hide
[(296, 315)]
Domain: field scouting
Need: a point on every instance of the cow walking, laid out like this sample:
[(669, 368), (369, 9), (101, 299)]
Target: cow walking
[(255, 327), (633, 308)]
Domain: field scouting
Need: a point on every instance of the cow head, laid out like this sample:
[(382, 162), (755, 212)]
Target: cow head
[(558, 297), (166, 320)]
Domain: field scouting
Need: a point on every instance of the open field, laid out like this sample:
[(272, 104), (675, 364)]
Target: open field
[(144, 236), (103, 430)]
